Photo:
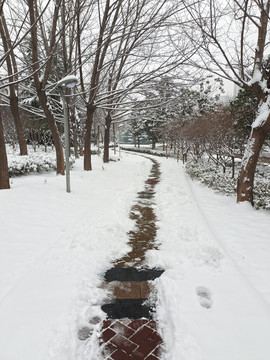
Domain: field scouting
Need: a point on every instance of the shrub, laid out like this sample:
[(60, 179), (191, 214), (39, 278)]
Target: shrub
[(145, 151), (34, 162), (214, 178)]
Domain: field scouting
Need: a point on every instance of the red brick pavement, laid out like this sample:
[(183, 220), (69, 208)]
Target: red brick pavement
[(128, 339)]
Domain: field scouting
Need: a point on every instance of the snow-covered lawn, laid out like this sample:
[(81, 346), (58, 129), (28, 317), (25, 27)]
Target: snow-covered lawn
[(214, 297)]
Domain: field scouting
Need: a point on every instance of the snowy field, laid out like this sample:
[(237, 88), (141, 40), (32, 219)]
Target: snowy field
[(214, 297)]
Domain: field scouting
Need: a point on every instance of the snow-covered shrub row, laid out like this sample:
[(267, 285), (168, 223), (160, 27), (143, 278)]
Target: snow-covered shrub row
[(144, 151), (262, 187), (34, 162), (212, 176)]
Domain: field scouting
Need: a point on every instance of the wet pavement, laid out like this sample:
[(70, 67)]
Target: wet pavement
[(142, 212)]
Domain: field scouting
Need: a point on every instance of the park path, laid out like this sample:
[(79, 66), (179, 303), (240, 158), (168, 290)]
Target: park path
[(200, 295), (130, 331)]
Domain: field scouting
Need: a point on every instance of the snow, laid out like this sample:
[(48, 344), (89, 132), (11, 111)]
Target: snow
[(223, 247), (213, 298), (248, 152), (257, 76), (68, 81), (263, 114)]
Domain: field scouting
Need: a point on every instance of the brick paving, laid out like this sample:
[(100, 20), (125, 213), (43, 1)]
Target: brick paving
[(128, 339)]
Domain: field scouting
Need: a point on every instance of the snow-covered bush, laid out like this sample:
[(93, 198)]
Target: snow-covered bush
[(34, 162), (213, 176), (262, 187), (144, 151)]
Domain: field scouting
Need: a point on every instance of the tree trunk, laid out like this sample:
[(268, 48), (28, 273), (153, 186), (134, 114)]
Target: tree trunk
[(81, 149), (87, 141), (184, 158), (14, 107), (75, 141), (245, 181), (4, 175), (55, 133), (114, 139), (106, 156), (233, 166), (98, 139)]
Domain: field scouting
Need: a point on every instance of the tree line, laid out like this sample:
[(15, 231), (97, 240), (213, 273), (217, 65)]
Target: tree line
[(123, 52)]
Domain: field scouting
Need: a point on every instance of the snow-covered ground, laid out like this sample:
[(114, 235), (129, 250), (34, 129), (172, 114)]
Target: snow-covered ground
[(214, 297)]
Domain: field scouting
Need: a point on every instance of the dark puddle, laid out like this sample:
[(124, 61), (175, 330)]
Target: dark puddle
[(132, 274), (128, 308)]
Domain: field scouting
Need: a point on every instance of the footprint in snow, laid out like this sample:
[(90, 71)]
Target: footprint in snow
[(204, 297)]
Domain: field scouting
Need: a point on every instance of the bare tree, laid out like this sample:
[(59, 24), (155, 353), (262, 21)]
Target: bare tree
[(127, 53), (41, 77), (231, 42), (4, 175), (13, 87)]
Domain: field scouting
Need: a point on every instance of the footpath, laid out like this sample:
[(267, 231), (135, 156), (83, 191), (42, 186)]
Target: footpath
[(194, 283), (130, 331)]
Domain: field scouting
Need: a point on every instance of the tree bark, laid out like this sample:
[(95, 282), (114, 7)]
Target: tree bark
[(245, 181), (233, 166), (87, 141), (75, 141), (4, 175), (114, 139), (14, 107), (106, 156)]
